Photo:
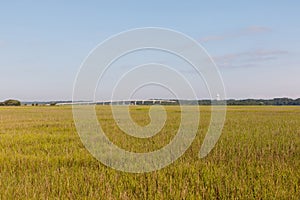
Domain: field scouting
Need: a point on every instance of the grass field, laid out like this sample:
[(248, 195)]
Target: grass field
[(257, 157)]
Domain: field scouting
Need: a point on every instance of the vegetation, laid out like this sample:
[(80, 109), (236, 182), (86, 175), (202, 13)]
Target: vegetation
[(257, 157), (274, 102), (10, 102), (52, 103)]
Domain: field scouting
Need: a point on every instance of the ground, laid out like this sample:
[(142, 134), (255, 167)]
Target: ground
[(257, 157)]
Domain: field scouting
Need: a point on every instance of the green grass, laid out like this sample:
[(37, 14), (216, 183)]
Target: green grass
[(257, 157)]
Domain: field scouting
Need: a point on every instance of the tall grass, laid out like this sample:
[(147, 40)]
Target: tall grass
[(257, 157)]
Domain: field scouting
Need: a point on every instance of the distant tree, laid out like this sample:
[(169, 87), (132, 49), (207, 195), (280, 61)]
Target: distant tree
[(12, 102), (32, 104)]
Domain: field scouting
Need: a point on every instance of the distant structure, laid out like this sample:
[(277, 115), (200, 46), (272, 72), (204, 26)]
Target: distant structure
[(217, 101), (140, 102), (125, 102)]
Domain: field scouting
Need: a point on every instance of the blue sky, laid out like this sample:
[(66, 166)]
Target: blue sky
[(255, 43)]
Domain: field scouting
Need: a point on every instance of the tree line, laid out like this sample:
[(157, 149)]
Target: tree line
[(274, 102)]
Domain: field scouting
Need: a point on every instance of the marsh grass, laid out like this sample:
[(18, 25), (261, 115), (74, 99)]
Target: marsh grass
[(257, 157)]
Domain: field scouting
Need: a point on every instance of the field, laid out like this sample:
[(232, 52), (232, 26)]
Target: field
[(257, 157)]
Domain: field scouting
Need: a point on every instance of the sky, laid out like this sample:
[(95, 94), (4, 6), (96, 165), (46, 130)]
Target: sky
[(255, 44)]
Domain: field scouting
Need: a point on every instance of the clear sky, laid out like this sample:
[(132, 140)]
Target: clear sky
[(256, 44)]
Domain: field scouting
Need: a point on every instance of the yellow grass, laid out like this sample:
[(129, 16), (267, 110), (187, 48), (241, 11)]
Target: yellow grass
[(257, 157)]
